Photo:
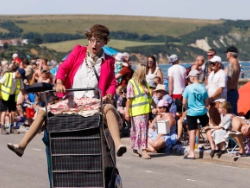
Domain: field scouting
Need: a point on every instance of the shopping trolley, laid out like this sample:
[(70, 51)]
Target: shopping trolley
[(81, 150)]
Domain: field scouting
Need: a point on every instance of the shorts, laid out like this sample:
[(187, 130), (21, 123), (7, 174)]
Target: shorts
[(192, 121), (9, 105)]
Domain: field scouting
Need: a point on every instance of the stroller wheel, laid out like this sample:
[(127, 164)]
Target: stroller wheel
[(116, 181)]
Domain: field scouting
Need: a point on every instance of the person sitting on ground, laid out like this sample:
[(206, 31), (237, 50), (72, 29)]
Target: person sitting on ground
[(77, 72), (160, 141), (121, 101), (220, 132), (240, 129), (161, 93)]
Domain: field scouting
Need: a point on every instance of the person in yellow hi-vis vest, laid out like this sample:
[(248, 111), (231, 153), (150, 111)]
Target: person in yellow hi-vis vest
[(138, 107), (11, 84)]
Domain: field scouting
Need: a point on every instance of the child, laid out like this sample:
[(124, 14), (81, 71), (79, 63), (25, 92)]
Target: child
[(119, 63), (158, 80), (220, 132)]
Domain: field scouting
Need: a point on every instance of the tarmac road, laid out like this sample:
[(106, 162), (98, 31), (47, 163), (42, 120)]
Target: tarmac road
[(161, 171)]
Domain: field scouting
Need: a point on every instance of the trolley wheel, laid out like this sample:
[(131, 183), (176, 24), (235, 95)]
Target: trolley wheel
[(115, 181)]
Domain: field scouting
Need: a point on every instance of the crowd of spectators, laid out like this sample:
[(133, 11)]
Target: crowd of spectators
[(201, 98), (18, 74)]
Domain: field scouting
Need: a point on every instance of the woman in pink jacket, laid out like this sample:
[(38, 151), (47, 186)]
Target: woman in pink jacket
[(85, 67)]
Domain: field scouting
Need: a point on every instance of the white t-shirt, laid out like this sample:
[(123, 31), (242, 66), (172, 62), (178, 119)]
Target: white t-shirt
[(150, 76), (216, 81), (14, 82), (178, 73)]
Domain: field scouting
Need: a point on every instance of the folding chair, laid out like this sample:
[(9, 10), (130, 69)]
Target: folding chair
[(235, 145)]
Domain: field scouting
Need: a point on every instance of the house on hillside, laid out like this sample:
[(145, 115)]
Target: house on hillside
[(14, 42), (4, 41)]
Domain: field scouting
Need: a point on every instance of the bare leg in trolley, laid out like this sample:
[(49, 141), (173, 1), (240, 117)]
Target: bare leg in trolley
[(113, 126), (31, 133)]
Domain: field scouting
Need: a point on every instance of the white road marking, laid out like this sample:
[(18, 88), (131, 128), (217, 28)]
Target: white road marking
[(191, 180), (36, 149)]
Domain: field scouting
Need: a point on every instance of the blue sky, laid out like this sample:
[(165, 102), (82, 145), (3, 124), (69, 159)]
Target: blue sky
[(202, 9)]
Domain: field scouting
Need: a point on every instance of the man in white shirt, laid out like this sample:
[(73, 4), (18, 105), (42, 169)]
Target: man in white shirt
[(176, 76), (217, 89), (176, 81)]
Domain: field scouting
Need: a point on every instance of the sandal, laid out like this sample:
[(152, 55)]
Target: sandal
[(15, 148), (146, 156), (135, 153), (238, 155)]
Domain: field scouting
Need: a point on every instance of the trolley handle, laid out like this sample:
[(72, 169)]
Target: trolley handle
[(75, 89)]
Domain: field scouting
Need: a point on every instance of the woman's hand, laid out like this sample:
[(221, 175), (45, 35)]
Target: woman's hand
[(127, 116), (60, 88), (107, 99)]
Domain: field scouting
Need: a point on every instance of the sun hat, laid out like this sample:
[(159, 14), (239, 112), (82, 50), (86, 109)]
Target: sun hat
[(119, 57), (162, 103), (125, 54), (215, 59), (232, 49), (161, 87), (173, 58), (193, 73)]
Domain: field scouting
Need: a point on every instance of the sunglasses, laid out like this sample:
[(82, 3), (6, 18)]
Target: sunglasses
[(212, 64), (209, 55), (150, 62)]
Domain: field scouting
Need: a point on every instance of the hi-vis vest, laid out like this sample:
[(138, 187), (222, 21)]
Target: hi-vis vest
[(7, 85), (141, 103)]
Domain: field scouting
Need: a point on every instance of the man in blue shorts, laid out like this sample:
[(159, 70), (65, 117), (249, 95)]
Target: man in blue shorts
[(195, 99)]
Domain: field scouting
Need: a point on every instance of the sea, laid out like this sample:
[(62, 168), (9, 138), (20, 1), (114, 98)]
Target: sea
[(245, 69)]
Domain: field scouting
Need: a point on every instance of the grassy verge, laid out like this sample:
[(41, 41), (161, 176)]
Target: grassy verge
[(117, 44)]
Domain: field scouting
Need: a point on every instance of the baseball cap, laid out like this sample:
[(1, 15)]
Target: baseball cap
[(162, 103), (173, 58), (215, 59), (193, 73), (232, 49), (22, 72), (18, 60), (152, 84)]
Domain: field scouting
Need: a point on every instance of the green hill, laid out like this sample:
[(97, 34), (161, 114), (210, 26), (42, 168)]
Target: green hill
[(74, 24), (134, 34)]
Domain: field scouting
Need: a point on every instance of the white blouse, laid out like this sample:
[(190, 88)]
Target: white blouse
[(85, 78)]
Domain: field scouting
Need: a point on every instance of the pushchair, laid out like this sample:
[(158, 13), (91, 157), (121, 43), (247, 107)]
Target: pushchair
[(80, 150)]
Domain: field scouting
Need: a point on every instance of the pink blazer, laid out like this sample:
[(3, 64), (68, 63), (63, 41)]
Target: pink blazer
[(68, 69)]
